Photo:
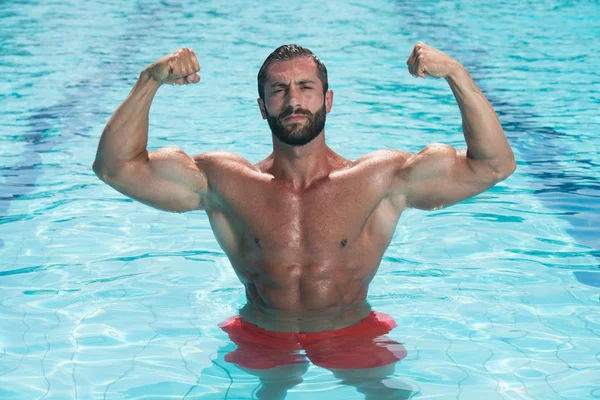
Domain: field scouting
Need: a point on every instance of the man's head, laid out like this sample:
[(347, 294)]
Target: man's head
[(294, 95)]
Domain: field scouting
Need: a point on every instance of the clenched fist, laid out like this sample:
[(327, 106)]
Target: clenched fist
[(426, 60), (179, 68)]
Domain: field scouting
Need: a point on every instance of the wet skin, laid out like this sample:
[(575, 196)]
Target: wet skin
[(305, 229), (303, 251), (304, 244)]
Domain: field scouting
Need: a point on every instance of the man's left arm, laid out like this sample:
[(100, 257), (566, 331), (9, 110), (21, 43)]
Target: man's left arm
[(440, 175)]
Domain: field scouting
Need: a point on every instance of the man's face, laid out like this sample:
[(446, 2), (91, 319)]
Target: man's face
[(294, 104)]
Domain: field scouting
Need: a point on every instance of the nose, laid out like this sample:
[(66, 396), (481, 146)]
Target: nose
[(293, 98)]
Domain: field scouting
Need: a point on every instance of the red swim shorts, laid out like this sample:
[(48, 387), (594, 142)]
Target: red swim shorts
[(355, 347)]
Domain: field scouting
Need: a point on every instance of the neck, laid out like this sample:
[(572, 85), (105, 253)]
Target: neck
[(301, 165)]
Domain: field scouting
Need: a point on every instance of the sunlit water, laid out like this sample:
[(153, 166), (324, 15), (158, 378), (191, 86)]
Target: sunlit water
[(104, 298)]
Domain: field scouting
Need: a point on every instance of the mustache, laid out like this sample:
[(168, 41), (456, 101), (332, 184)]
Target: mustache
[(291, 111)]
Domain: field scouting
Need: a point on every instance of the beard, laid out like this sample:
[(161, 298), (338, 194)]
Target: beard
[(296, 134)]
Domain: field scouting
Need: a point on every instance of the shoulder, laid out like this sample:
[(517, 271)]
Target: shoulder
[(377, 168), (436, 149), (217, 163), (222, 169), (221, 158), (432, 159), (375, 171), (382, 160), (227, 174), (383, 157), (404, 159)]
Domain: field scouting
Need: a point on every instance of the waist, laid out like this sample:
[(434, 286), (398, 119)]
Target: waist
[(310, 321)]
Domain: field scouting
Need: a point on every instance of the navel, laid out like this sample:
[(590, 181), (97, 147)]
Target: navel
[(257, 242), (344, 242)]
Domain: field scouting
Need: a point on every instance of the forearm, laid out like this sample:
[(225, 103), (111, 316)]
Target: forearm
[(126, 133), (483, 132)]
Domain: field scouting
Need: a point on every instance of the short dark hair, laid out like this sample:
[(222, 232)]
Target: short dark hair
[(285, 53)]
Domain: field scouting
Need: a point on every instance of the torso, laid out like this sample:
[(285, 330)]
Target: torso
[(304, 253)]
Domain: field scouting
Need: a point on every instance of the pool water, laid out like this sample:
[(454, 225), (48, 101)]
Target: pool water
[(104, 298)]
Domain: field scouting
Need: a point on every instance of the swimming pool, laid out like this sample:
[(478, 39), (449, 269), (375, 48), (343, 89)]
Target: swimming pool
[(104, 298)]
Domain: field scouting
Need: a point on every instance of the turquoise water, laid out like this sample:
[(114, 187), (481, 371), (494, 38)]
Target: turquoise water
[(104, 298)]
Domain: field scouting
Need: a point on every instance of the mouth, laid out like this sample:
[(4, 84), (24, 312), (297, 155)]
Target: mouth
[(295, 118)]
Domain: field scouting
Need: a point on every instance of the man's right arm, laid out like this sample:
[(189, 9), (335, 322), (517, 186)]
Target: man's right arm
[(167, 179)]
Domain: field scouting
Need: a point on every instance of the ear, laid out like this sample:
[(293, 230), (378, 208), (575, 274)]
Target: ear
[(261, 105), (328, 100)]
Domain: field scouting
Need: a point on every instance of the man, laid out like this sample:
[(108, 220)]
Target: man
[(305, 229)]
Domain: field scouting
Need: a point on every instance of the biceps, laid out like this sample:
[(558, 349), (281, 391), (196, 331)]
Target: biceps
[(439, 193), (167, 179), (440, 176)]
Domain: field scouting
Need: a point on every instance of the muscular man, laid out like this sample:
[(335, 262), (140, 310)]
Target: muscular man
[(305, 229)]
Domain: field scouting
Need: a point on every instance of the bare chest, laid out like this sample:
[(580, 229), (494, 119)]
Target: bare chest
[(331, 222), (312, 221)]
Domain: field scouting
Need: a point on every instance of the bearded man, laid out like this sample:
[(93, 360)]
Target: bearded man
[(305, 229)]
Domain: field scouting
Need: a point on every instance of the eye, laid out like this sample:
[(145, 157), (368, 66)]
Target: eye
[(307, 87)]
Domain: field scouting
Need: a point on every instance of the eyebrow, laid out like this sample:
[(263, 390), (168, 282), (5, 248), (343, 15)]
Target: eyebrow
[(302, 82)]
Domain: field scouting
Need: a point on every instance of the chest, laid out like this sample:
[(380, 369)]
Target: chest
[(314, 219), (329, 218)]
